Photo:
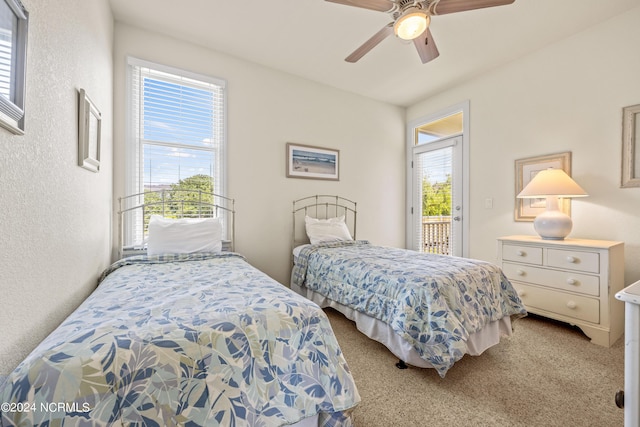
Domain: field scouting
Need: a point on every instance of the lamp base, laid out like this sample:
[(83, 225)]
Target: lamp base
[(553, 225)]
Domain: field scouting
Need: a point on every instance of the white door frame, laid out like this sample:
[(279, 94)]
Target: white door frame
[(410, 196)]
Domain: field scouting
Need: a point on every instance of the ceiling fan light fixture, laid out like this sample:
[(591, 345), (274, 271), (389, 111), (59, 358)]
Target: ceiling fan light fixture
[(411, 24)]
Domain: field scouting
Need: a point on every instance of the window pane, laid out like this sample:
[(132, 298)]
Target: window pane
[(166, 165), (177, 113), (181, 130), (435, 183), (439, 129)]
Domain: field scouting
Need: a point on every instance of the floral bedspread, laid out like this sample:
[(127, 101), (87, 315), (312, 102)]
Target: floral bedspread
[(433, 301), (193, 340)]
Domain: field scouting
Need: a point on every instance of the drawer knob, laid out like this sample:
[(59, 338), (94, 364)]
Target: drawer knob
[(521, 293), (571, 281), (571, 304), (520, 272), (571, 259), (521, 253)]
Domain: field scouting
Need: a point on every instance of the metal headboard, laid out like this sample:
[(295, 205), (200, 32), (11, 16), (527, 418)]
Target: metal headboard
[(138, 208), (321, 207)]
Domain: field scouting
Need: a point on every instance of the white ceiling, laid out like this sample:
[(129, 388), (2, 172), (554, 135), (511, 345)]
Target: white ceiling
[(311, 38)]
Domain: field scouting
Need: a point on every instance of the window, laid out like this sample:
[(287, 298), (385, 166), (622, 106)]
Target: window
[(176, 133), (13, 53)]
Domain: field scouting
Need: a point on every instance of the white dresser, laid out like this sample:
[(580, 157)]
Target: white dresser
[(571, 280)]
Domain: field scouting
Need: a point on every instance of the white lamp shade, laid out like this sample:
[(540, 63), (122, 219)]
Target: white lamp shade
[(411, 24), (551, 182), (552, 224)]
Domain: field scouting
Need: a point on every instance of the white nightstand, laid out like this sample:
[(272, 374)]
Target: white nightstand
[(571, 280)]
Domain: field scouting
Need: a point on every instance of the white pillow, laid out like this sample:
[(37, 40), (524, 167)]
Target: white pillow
[(326, 230), (184, 236)]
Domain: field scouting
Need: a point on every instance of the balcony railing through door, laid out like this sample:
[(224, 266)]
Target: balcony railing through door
[(436, 233)]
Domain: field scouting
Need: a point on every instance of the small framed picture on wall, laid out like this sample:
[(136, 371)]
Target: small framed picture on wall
[(89, 130), (306, 161)]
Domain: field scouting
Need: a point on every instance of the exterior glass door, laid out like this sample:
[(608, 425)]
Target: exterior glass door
[(437, 208)]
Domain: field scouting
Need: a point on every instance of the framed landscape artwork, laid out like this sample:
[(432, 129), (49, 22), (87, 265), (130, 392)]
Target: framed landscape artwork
[(305, 161)]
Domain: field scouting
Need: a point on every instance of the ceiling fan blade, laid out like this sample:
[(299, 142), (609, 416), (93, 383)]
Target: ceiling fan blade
[(371, 43), (426, 47), (443, 7), (379, 5)]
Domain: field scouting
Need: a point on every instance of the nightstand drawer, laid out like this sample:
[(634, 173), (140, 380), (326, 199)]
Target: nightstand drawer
[(518, 253), (569, 305), (563, 280), (574, 260)]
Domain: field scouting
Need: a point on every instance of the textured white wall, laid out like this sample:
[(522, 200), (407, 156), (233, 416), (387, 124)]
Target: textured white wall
[(566, 97), (267, 109), (55, 225)]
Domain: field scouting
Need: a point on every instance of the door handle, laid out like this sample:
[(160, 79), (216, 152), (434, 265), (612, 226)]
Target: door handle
[(456, 218)]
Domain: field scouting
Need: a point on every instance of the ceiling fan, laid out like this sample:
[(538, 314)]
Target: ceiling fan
[(411, 21)]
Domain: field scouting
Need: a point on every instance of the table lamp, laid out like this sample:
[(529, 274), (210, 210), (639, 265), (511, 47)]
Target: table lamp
[(552, 224)]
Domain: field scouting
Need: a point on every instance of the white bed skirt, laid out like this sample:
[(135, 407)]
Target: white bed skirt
[(308, 422), (378, 330)]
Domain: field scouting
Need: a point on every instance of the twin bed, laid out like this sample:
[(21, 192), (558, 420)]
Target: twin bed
[(193, 339), (183, 331), (428, 310)]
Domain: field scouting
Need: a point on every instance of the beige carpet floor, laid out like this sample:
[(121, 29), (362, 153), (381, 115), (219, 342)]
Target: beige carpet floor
[(546, 374)]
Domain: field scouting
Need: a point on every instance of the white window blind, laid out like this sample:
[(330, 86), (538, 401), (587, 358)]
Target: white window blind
[(6, 56), (176, 133), (434, 179)]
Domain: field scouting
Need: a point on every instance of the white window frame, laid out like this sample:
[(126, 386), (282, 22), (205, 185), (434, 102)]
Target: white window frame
[(12, 108), (134, 170)]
